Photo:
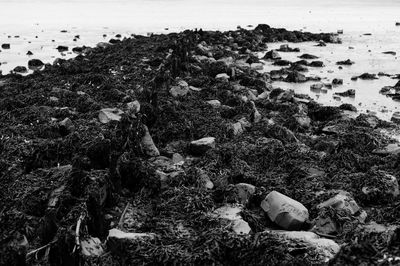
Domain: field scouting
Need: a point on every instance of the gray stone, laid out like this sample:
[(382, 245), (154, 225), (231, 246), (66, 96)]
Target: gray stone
[(107, 115)]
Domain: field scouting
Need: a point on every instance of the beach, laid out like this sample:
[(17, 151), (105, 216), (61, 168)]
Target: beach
[(197, 141)]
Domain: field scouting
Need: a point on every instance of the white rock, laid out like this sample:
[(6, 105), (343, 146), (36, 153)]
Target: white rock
[(200, 146), (214, 103), (237, 129), (148, 145), (326, 248), (133, 107), (118, 234), (392, 148), (284, 211), (263, 95), (91, 247), (232, 213), (178, 91), (110, 114), (342, 201), (222, 76)]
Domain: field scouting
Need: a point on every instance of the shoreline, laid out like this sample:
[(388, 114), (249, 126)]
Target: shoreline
[(106, 145)]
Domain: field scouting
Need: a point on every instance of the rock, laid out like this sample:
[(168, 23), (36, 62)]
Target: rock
[(336, 81), (204, 180), (390, 149), (303, 120), (348, 107), (244, 191), (281, 133), (295, 77), (316, 64), (342, 201), (257, 66), (263, 95), (348, 93), (354, 77), (54, 99), (214, 103), (326, 248), (367, 76), (62, 48), (29, 53), (237, 129), (386, 90), (107, 115), (222, 76), (368, 120), (347, 62), (103, 45), (386, 186), (389, 52), (91, 247), (179, 91), (115, 235), (66, 126), (177, 158), (20, 69), (281, 62), (148, 145), (385, 234), (255, 115), (201, 146), (317, 86), (396, 117), (286, 48), (284, 211), (5, 46), (321, 44), (133, 108), (308, 56), (232, 214), (273, 55), (35, 64)]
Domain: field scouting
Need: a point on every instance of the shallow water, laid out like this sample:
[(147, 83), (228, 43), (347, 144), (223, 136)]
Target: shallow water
[(91, 19)]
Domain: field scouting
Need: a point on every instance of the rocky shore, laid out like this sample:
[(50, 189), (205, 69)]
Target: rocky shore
[(176, 150)]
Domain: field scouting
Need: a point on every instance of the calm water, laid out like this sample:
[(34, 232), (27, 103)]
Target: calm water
[(38, 25)]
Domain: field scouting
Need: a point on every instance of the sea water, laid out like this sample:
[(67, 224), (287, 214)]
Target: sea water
[(36, 25)]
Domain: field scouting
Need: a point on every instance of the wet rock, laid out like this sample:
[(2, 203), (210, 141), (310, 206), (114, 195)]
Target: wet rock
[(273, 55), (389, 52), (284, 211), (316, 64), (20, 69), (107, 115), (336, 81), (396, 117), (316, 86), (103, 45), (214, 103), (66, 126), (367, 76), (286, 48), (325, 248), (308, 56), (347, 62), (201, 146), (232, 214), (348, 107), (91, 247), (354, 78), (386, 90), (321, 44), (295, 77), (5, 46), (35, 64), (348, 93), (281, 62), (114, 41), (29, 53), (62, 48), (244, 192)]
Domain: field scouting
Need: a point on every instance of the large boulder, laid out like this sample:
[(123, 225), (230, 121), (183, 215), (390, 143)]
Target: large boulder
[(284, 211)]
